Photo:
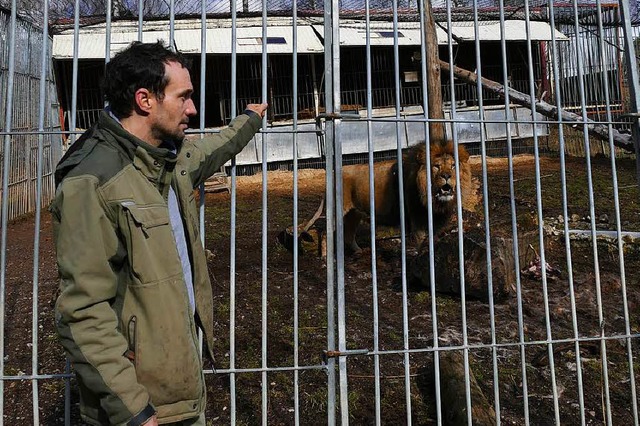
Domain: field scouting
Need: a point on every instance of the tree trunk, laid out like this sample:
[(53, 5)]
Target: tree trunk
[(447, 266), (454, 402), (599, 131), (437, 131), (453, 392)]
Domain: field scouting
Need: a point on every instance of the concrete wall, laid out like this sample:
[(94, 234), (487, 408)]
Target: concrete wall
[(354, 134)]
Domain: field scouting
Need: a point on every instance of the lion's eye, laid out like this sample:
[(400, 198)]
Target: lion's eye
[(453, 166)]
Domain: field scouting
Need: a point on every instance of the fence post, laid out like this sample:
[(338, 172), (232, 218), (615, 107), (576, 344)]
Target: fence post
[(632, 77)]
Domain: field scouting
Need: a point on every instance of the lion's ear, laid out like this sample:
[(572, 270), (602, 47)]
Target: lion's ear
[(463, 155), (422, 156)]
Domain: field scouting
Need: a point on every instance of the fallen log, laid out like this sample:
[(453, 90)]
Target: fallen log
[(453, 391), (447, 266), (597, 130)]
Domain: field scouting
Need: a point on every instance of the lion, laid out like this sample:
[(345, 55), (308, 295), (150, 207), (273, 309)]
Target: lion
[(356, 204)]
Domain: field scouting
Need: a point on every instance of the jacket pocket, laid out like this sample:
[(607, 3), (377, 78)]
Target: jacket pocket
[(167, 360), (130, 353), (151, 246)]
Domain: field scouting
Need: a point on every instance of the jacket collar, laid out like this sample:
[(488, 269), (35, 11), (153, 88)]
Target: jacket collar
[(149, 159)]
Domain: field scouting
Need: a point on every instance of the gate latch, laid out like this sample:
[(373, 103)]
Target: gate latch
[(335, 354)]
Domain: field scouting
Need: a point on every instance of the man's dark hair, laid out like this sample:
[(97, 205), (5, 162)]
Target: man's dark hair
[(141, 65)]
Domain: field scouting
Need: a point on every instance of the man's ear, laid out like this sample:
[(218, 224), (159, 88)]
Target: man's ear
[(144, 100)]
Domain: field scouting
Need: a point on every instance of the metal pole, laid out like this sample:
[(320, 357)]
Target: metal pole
[(514, 224), (140, 18), (633, 77), (36, 239), (463, 303), (614, 174), (329, 45), (232, 255), (296, 390), (545, 293), (432, 277), (203, 86), (403, 232), (594, 241), (487, 223), (372, 229), (565, 212), (265, 217), (6, 164)]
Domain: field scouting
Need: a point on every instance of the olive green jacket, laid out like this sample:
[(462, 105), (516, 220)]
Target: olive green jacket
[(123, 314)]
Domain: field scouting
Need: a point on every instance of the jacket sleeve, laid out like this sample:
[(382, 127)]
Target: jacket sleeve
[(205, 156), (87, 324)]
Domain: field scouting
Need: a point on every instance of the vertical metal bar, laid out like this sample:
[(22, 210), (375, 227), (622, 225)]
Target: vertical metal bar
[(6, 164), (545, 294), (565, 212), (172, 24), (140, 18), (614, 174), (36, 239), (72, 136), (203, 86), (329, 45), (403, 234), (514, 223), (594, 241), (203, 104), (296, 391), (232, 255), (339, 249), (487, 222), (632, 75), (107, 34), (432, 277), (463, 299), (265, 73), (74, 78), (372, 228)]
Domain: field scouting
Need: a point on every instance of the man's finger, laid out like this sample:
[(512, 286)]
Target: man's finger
[(258, 108)]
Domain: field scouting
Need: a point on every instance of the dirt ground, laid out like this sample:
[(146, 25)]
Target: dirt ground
[(312, 309)]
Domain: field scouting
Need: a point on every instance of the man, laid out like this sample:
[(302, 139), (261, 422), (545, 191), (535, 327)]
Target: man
[(134, 280)]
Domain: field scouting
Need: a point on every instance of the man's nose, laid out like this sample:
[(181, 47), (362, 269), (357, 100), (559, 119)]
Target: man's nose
[(191, 108)]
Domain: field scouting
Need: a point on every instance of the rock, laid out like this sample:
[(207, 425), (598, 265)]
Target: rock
[(575, 217)]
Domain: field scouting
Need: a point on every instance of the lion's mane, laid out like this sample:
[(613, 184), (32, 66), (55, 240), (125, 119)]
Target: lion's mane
[(356, 204)]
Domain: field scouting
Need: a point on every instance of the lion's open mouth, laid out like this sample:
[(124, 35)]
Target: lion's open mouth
[(445, 193)]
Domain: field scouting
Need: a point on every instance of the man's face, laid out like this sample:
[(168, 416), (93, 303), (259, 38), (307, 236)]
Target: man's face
[(171, 117)]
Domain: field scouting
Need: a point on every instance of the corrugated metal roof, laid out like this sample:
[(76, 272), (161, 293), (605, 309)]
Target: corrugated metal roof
[(280, 35), (93, 45), (249, 40), (354, 33), (218, 40), (515, 30)]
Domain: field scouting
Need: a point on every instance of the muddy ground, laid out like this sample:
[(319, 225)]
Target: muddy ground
[(312, 317)]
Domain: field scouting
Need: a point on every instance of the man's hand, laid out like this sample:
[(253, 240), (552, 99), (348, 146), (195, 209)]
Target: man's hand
[(258, 108), (153, 421)]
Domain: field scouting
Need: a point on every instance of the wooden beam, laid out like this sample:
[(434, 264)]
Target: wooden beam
[(597, 130)]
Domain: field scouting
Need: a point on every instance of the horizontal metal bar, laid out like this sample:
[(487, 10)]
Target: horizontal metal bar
[(37, 377), (262, 370), (348, 352), (506, 345), (337, 116)]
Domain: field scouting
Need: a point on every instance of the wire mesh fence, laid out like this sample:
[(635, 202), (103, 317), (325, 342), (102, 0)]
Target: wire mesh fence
[(496, 288)]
